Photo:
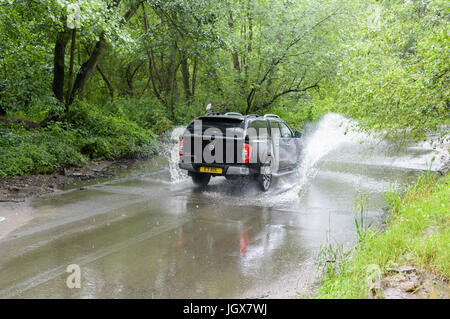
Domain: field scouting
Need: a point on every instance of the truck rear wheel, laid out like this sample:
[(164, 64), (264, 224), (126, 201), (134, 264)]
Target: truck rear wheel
[(264, 181), (201, 179)]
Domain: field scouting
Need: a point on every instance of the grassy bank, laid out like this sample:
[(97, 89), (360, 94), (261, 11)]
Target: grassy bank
[(87, 133), (417, 235)]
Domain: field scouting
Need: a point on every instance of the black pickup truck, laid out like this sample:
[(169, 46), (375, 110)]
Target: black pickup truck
[(233, 145)]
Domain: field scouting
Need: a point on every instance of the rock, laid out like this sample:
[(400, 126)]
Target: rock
[(409, 286), (101, 166), (394, 293), (403, 282), (405, 270), (376, 291), (432, 229), (77, 174), (409, 257)]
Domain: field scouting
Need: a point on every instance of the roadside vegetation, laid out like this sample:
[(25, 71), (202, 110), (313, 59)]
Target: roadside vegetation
[(417, 234), (90, 134), (101, 79)]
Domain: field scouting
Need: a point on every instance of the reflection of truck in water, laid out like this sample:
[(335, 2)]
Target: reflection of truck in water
[(234, 145)]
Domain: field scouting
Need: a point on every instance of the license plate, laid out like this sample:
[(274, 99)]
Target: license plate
[(214, 170)]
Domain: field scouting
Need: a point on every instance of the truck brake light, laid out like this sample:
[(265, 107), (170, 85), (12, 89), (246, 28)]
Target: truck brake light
[(181, 148), (246, 153)]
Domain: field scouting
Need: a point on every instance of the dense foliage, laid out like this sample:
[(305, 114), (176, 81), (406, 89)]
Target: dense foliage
[(395, 74), (91, 134), (98, 75)]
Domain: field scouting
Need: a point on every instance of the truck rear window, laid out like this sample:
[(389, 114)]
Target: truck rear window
[(218, 125)]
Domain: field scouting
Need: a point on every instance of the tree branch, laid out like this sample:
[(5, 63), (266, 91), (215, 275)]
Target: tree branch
[(108, 83), (290, 90)]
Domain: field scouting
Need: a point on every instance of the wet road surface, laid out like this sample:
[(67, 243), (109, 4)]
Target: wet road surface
[(153, 235)]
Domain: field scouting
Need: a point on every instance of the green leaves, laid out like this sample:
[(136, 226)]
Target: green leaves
[(397, 79)]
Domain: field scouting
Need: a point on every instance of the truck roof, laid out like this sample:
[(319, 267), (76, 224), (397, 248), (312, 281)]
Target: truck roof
[(234, 115)]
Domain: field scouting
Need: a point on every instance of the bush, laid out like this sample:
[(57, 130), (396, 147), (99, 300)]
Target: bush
[(110, 136), (40, 151), (147, 112), (87, 134)]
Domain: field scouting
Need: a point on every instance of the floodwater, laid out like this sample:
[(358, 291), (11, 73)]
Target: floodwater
[(151, 234)]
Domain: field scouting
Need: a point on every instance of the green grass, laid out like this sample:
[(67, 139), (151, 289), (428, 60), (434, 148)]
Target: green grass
[(87, 133), (418, 234)]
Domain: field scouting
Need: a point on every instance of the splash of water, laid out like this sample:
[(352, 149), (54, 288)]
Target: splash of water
[(329, 134), (335, 139), (173, 155)]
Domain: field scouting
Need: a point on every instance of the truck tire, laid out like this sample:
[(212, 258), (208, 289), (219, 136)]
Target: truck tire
[(264, 181), (201, 179)]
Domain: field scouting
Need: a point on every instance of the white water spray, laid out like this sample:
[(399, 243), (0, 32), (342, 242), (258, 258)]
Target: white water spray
[(173, 156), (329, 134)]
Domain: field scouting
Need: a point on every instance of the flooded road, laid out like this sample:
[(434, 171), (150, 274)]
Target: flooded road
[(151, 234)]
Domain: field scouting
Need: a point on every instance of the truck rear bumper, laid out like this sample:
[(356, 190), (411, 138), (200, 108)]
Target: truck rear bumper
[(227, 169)]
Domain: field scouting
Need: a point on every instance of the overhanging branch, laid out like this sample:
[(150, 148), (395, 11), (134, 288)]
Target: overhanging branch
[(287, 91)]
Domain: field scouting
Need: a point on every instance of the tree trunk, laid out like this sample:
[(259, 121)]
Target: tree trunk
[(186, 77), (108, 84), (234, 54), (250, 39), (88, 68), (152, 68), (2, 110), (79, 54), (250, 28), (130, 75), (236, 64), (172, 77), (170, 66), (58, 64), (70, 75), (174, 92), (129, 79), (194, 76), (151, 64), (250, 98)]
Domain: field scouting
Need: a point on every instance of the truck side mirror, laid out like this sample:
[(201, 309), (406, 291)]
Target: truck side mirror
[(297, 134)]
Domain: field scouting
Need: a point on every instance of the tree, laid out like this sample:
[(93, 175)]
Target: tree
[(394, 77), (281, 48)]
